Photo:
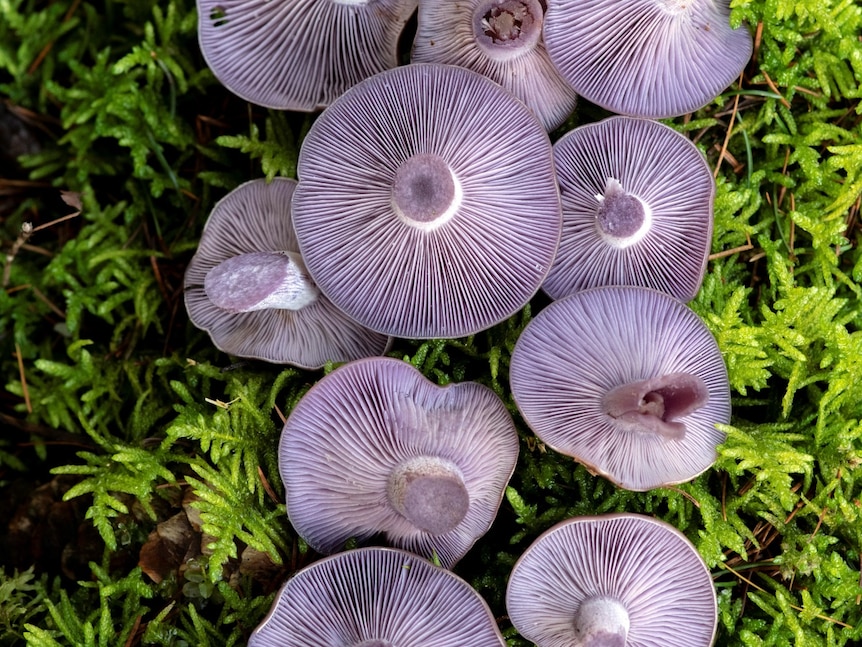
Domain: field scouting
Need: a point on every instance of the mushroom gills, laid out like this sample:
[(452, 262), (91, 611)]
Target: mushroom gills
[(655, 405), (259, 281)]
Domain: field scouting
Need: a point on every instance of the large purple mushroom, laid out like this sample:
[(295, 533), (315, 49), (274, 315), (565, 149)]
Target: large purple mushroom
[(376, 448), (427, 204), (299, 54), (646, 58), (501, 39), (248, 288), (610, 581), (628, 381), (377, 597), (637, 209)]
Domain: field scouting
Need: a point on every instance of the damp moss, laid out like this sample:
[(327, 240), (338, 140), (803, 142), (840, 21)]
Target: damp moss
[(107, 382)]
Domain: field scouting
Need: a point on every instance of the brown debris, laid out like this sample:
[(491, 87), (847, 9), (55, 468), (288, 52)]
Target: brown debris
[(44, 531), (170, 545), (259, 566)]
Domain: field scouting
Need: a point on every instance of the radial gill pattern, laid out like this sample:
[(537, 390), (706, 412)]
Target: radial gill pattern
[(627, 164), (646, 58), (255, 218), (299, 54), (583, 357), (613, 580), (374, 447), (377, 597), (427, 204), (500, 39)]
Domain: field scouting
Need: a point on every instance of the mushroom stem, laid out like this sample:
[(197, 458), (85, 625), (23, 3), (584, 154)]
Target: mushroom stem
[(653, 405), (601, 621), (622, 219), (260, 280), (374, 642), (430, 493), (425, 193), (507, 29)]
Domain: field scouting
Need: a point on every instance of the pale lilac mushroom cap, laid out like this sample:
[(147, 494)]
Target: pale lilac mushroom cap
[(427, 204), (248, 288), (628, 381), (501, 39), (637, 209), (299, 54), (646, 58), (610, 581), (376, 448), (377, 597)]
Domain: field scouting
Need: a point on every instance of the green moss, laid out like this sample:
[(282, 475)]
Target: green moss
[(134, 122)]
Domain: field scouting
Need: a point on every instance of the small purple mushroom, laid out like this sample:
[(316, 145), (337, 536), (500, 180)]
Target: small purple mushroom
[(248, 288), (646, 58), (628, 381), (427, 204), (299, 54), (610, 581), (374, 447), (501, 39), (637, 209), (377, 597)]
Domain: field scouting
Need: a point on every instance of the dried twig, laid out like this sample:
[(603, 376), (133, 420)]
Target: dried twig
[(280, 414), (728, 133), (221, 405), (26, 232), (47, 49), (27, 229), (54, 222), (23, 378), (792, 606), (54, 308), (730, 252), (774, 88), (685, 494), (266, 485)]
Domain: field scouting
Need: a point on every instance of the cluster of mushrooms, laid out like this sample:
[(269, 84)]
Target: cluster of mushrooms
[(431, 203)]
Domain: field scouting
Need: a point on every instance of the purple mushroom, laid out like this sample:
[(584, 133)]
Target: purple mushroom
[(299, 54), (376, 448), (377, 597), (646, 58), (501, 39), (613, 580), (248, 288), (637, 209), (628, 381), (427, 204)]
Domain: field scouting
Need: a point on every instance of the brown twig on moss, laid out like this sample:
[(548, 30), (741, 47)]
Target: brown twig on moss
[(727, 135), (27, 230), (47, 49), (23, 377), (792, 606), (23, 237)]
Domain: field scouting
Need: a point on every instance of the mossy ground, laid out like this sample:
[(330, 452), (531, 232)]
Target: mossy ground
[(127, 417)]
